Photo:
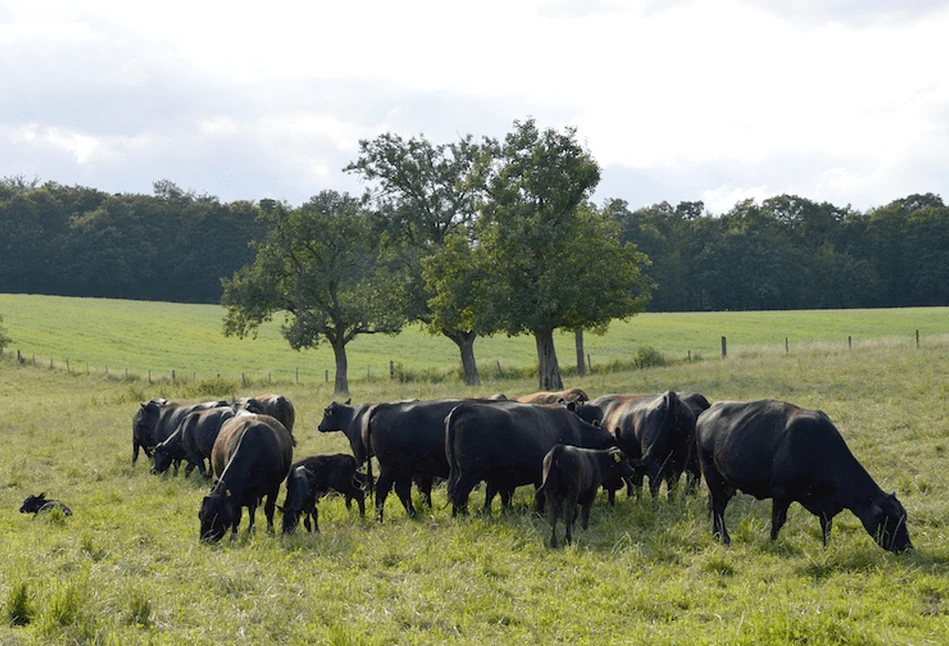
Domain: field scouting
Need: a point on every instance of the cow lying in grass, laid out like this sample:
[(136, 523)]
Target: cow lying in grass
[(40, 504), (573, 476), (313, 477)]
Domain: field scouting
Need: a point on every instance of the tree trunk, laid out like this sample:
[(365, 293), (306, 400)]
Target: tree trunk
[(342, 366), (581, 366), (547, 367), (465, 342)]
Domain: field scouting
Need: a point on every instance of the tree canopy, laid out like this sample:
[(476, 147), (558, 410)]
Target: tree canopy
[(319, 266)]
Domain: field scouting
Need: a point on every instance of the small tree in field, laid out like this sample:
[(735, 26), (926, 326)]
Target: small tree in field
[(319, 265), (555, 261)]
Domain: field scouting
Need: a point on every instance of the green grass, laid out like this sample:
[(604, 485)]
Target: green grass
[(93, 334), (127, 566)]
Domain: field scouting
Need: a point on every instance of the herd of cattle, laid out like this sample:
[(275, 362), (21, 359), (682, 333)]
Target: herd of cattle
[(564, 444)]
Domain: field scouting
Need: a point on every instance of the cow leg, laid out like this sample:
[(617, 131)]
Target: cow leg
[(507, 498), (269, 507), (314, 513), (425, 483), (554, 506), (134, 452), (718, 496), (585, 513), (490, 491), (569, 515), (826, 520), (251, 512), (237, 522), (383, 486), (779, 514), (463, 487), (361, 501), (403, 489)]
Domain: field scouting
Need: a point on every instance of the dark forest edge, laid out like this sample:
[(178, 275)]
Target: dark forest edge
[(787, 252)]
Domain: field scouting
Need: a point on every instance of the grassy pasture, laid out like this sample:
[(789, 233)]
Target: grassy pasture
[(161, 337), (127, 566)]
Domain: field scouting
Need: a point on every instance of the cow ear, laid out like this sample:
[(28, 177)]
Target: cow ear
[(279, 508), (349, 401)]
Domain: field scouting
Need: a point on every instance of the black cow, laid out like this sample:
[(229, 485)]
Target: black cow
[(194, 438), (277, 406), (156, 419), (251, 458), (42, 504), (504, 444), (656, 431), (408, 440), (772, 449), (572, 476), (320, 475), (349, 420)]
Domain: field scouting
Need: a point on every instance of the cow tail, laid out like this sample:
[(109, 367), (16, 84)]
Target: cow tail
[(555, 479), (453, 469), (367, 440)]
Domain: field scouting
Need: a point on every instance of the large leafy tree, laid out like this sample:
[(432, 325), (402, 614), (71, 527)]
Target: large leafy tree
[(427, 193), (554, 261), (320, 266)]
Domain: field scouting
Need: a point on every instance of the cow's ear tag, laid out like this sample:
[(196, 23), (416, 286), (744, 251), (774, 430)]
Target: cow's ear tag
[(617, 457)]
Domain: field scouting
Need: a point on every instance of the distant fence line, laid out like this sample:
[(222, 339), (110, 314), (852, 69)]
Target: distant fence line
[(395, 370)]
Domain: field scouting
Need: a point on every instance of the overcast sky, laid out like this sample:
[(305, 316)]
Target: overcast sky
[(838, 100)]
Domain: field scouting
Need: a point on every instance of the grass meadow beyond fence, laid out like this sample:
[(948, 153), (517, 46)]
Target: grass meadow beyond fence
[(158, 338)]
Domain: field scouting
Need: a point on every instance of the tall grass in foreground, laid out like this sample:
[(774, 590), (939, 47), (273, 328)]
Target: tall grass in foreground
[(127, 566)]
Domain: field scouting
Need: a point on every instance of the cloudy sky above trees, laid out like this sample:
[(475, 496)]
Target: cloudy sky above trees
[(838, 100)]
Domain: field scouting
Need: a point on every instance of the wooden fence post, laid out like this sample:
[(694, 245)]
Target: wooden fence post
[(172, 376), (787, 348), (589, 364), (849, 342), (326, 376), (67, 367), (391, 369), (724, 348), (500, 373), (917, 338), (690, 356)]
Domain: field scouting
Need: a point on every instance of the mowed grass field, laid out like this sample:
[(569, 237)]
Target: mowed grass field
[(127, 567), (93, 334)]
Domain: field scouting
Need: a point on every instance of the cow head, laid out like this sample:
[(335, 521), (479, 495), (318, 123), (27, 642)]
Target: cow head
[(335, 417), (146, 418), (298, 489), (887, 524), (216, 515), (32, 504), (161, 459), (620, 465)]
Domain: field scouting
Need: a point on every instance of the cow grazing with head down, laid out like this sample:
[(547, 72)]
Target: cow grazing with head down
[(773, 449), (504, 444), (157, 419), (277, 406), (656, 431), (571, 395), (314, 477), (251, 458), (41, 504), (572, 476)]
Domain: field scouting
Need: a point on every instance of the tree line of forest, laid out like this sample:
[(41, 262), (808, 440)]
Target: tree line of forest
[(469, 238)]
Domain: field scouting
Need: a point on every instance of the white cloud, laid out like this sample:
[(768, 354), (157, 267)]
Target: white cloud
[(679, 100)]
